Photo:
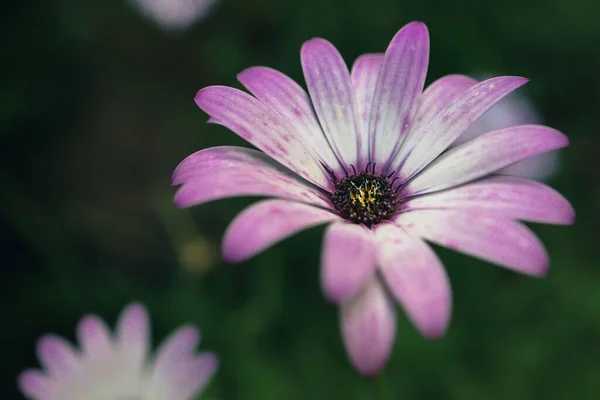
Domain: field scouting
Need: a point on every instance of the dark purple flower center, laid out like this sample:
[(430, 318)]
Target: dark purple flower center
[(365, 198)]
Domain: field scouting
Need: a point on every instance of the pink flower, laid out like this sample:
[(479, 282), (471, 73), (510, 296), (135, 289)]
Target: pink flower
[(113, 368), (365, 153)]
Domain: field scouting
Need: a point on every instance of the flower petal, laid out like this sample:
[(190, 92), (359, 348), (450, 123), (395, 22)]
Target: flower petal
[(416, 278), (228, 171), (183, 379), (133, 336), (450, 122), (486, 235), (259, 125), (57, 355), (291, 102), (348, 259), (514, 197), (368, 324), (180, 345), (189, 378), (486, 154), (330, 88), (35, 385), (364, 79), (178, 373), (266, 223), (432, 101), (94, 337), (512, 110), (439, 94), (540, 167), (399, 85)]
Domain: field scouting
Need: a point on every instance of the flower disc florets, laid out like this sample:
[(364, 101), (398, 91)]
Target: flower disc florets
[(365, 198)]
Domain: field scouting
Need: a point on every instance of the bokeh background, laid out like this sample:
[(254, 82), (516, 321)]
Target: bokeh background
[(97, 110)]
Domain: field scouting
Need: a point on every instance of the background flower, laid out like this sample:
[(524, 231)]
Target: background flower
[(107, 366), (173, 14)]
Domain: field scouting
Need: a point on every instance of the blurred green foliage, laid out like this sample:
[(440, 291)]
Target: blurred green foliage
[(96, 110)]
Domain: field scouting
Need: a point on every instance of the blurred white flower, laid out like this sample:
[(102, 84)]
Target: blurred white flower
[(119, 366), (515, 109), (173, 14)]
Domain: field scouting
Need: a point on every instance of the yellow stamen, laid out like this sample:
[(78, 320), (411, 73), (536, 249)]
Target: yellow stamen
[(365, 194)]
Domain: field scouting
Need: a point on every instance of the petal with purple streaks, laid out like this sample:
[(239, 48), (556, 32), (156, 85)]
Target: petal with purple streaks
[(348, 259), (416, 278), (399, 86), (328, 81), (514, 197), (433, 100), (368, 323), (229, 171), (291, 102), (486, 154), (261, 126), (450, 122), (365, 71), (267, 222), (487, 235)]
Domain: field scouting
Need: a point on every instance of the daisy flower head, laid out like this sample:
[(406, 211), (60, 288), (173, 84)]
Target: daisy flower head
[(118, 367), (366, 152)]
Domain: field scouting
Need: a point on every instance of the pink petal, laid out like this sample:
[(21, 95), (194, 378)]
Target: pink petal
[(399, 86), (514, 197), (540, 167), (368, 323), (94, 337), (439, 94), (178, 373), (416, 278), (35, 385), (433, 100), (486, 154), (348, 259), (259, 125), (184, 379), (57, 355), (512, 110), (365, 71), (291, 102), (450, 122), (180, 345), (133, 336), (332, 95), (228, 171), (266, 223), (189, 378), (229, 159), (486, 235)]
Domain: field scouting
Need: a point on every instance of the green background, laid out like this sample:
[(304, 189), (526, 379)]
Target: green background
[(97, 110)]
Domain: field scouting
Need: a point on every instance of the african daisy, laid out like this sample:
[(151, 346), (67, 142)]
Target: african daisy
[(119, 367), (365, 153)]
